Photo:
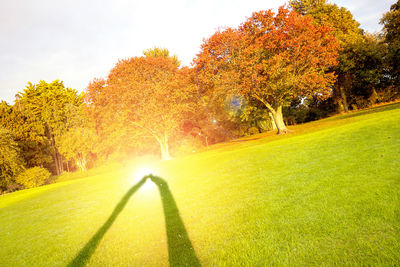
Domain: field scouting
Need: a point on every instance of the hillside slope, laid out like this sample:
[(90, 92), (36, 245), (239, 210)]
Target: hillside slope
[(326, 194)]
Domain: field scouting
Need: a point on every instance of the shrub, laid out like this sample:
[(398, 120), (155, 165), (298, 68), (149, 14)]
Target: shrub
[(33, 177), (253, 130)]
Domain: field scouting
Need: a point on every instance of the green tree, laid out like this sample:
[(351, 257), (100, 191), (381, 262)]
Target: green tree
[(391, 31), (368, 71), (11, 163), (29, 133), (54, 109)]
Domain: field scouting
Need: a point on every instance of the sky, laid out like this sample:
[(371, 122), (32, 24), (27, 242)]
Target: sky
[(76, 41)]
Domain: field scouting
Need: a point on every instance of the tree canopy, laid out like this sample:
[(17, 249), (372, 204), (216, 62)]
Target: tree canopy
[(346, 30), (272, 58), (142, 96), (51, 109)]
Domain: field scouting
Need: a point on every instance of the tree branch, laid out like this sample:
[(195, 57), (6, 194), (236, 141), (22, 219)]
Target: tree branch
[(264, 102)]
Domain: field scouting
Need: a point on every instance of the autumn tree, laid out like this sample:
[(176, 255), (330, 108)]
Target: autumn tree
[(142, 96), (346, 30), (271, 58)]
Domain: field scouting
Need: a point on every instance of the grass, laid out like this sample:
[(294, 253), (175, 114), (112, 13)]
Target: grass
[(326, 194)]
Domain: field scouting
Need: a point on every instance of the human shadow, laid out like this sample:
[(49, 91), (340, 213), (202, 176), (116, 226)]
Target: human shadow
[(87, 251), (180, 249)]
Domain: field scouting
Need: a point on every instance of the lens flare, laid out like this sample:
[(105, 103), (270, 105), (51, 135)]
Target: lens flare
[(140, 173)]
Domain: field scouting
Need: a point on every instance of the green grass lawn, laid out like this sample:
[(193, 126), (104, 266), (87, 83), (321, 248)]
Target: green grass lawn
[(326, 194)]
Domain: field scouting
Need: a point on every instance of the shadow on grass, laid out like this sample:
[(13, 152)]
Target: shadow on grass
[(180, 249), (87, 251)]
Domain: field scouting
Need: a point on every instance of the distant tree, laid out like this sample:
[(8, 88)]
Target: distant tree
[(142, 96), (346, 30), (271, 58), (11, 163)]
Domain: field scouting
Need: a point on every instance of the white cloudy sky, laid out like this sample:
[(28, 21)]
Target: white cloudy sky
[(78, 40)]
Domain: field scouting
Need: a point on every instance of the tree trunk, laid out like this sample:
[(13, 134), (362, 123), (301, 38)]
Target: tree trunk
[(339, 92), (60, 162), (373, 97), (56, 155), (164, 147), (272, 121), (344, 98), (278, 119), (56, 162), (277, 116), (165, 152)]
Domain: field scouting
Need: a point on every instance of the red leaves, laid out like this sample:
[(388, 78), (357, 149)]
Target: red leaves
[(275, 56)]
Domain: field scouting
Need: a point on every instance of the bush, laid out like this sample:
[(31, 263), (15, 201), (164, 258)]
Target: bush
[(253, 130), (33, 177)]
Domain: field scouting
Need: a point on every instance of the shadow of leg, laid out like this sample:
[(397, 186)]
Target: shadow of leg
[(180, 249), (87, 251)]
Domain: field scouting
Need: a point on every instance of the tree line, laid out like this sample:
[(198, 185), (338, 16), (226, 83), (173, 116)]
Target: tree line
[(308, 60)]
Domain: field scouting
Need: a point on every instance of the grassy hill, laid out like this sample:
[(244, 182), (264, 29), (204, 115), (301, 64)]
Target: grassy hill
[(326, 194)]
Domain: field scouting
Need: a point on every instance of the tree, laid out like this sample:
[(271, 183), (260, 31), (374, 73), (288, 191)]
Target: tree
[(11, 163), (77, 144), (348, 33), (142, 96), (271, 58), (29, 134), (51, 109), (391, 31), (368, 71)]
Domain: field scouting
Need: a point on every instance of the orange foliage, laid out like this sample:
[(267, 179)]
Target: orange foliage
[(141, 96), (272, 58)]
